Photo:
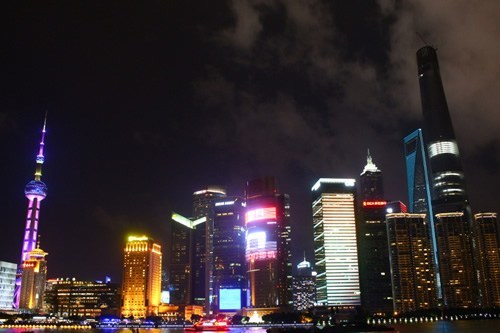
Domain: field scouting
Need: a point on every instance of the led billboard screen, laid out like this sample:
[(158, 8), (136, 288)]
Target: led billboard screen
[(259, 214), (230, 299)]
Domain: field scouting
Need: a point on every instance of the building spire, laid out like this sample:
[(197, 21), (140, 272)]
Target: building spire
[(40, 158), (370, 166)]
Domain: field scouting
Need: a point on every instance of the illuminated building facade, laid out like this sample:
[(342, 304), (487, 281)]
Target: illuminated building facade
[(374, 266), (412, 268), (33, 281), (335, 245), (7, 283), (202, 260), (486, 234), (141, 291), (85, 299), (229, 267), (35, 191), (268, 253), (456, 261), (304, 287)]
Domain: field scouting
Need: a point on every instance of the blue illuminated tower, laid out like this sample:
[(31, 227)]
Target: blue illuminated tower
[(35, 191)]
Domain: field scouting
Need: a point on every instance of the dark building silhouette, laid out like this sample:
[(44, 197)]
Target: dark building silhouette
[(190, 259), (448, 180), (202, 245), (374, 266)]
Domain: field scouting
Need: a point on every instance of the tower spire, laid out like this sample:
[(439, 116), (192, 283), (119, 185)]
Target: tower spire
[(35, 192), (40, 158), (370, 166)]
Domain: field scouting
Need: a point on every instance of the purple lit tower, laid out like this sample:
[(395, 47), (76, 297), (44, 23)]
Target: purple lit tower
[(35, 191)]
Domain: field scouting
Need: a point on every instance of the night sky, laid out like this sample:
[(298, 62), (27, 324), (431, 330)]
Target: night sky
[(150, 101)]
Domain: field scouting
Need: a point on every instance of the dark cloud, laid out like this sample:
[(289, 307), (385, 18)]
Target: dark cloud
[(150, 105)]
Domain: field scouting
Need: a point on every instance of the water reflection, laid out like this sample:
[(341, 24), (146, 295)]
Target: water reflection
[(461, 326)]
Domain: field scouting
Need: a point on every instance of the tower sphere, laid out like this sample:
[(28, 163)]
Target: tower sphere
[(36, 187)]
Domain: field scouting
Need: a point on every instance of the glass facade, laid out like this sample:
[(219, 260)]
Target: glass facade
[(7, 283), (229, 268)]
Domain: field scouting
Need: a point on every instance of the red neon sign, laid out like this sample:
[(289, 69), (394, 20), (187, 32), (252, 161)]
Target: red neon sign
[(369, 204), (261, 214)]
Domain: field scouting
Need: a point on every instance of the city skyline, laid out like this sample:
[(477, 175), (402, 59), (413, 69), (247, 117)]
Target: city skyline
[(135, 129)]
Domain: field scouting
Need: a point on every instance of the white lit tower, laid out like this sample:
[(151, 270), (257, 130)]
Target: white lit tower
[(35, 191)]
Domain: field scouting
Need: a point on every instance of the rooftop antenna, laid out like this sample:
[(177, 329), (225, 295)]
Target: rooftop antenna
[(423, 40)]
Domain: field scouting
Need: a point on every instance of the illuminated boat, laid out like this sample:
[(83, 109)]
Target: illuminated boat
[(209, 325)]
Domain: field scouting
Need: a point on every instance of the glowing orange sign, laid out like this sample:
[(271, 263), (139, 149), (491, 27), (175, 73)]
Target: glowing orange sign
[(261, 214)]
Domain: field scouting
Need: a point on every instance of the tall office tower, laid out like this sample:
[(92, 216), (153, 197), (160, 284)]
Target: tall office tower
[(202, 241), (268, 253), (456, 260), (304, 287), (448, 181), (229, 270), (7, 283), (141, 286), (33, 281), (412, 269), (35, 191), (335, 245), (374, 267), (486, 234), (179, 260), (371, 186), (419, 189), (85, 299)]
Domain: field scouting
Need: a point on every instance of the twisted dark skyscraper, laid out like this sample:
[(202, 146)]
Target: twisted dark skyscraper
[(447, 176), (453, 219)]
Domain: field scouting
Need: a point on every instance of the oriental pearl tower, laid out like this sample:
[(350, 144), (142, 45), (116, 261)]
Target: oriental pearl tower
[(35, 191)]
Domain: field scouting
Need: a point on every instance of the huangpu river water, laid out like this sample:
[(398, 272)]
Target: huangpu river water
[(459, 326)]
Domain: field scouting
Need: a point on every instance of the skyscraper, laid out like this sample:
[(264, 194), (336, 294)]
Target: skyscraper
[(448, 181), (335, 245), (420, 190), (141, 290), (304, 287), (489, 259), (7, 283), (449, 196), (268, 253), (375, 277), (412, 268), (35, 191), (33, 281), (202, 245), (456, 260), (229, 269)]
